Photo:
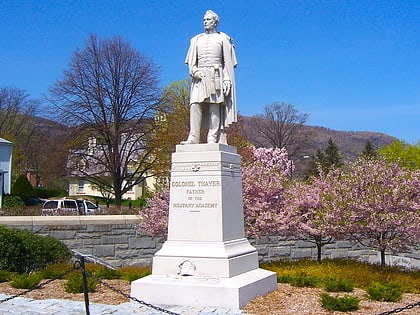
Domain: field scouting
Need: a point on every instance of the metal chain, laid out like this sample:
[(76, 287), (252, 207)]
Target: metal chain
[(401, 309), (127, 295), (38, 286)]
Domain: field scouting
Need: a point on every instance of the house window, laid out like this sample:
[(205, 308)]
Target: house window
[(81, 186)]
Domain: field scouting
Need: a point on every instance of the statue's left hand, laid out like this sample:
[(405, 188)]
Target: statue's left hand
[(226, 87)]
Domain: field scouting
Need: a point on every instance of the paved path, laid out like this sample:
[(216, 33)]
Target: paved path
[(25, 306)]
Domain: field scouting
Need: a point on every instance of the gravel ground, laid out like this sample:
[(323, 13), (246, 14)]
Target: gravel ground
[(286, 300)]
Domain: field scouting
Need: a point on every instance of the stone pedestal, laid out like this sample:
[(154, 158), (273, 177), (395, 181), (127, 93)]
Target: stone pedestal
[(206, 260)]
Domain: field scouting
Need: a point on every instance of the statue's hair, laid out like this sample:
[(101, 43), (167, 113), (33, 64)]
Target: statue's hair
[(215, 16)]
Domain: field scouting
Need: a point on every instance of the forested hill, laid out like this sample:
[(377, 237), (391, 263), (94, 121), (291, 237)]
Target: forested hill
[(350, 143)]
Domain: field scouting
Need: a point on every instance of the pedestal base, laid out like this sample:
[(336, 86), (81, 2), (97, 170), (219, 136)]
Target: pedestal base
[(206, 260), (234, 292)]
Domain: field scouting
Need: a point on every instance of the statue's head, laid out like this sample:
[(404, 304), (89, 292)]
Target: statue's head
[(211, 20)]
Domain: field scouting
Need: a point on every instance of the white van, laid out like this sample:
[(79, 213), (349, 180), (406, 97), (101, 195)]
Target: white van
[(69, 207), (86, 207)]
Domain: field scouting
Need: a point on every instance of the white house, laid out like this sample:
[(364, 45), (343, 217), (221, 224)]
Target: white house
[(83, 162), (5, 167)]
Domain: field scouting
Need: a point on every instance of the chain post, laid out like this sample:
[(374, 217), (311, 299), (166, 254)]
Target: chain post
[(85, 285)]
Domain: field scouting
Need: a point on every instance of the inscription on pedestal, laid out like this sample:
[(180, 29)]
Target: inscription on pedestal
[(194, 195), (206, 166)]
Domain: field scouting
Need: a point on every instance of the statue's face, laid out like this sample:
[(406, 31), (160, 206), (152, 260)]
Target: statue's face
[(209, 22)]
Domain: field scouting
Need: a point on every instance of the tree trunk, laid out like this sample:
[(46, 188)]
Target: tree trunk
[(383, 259), (319, 250)]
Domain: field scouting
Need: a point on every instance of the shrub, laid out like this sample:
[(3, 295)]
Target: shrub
[(283, 278), (131, 273), (5, 275), (385, 291), (10, 201), (22, 251), (75, 284), (23, 188), (107, 273), (25, 281), (13, 205), (342, 304), (304, 280), (333, 284), (57, 270), (362, 274)]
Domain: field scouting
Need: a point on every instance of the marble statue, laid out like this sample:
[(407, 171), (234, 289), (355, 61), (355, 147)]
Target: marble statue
[(211, 61)]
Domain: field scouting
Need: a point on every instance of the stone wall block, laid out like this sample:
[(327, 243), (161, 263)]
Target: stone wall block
[(114, 239), (104, 251), (99, 228), (142, 242)]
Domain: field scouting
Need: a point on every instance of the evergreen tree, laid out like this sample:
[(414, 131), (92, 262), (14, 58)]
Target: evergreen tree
[(325, 159), (332, 156), (369, 151), (22, 188)]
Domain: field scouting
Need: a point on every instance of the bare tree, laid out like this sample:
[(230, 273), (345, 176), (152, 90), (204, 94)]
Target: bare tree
[(109, 94), (16, 125), (281, 126)]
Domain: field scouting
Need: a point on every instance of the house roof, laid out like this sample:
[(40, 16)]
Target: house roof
[(4, 141)]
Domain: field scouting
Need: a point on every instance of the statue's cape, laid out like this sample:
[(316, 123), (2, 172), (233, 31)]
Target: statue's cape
[(229, 113)]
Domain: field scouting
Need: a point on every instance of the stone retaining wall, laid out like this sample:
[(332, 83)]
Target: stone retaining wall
[(117, 240)]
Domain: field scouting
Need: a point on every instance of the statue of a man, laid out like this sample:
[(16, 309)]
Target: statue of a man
[(211, 60)]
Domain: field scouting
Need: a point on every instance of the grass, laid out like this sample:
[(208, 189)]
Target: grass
[(64, 270), (360, 275)]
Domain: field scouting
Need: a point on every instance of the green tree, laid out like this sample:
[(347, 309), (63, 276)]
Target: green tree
[(405, 154), (22, 188), (172, 125), (333, 157), (325, 159), (369, 151)]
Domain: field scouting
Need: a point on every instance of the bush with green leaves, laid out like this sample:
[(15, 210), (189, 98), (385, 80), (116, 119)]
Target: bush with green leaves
[(131, 273), (5, 275), (57, 270), (25, 281), (385, 291), (107, 273), (10, 201), (342, 304), (333, 284), (22, 251), (74, 283), (300, 280), (13, 205), (23, 188)]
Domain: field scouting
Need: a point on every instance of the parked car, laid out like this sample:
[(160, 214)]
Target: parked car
[(60, 207), (86, 207), (69, 207)]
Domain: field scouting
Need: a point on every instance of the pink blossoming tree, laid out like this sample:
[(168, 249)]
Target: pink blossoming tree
[(382, 202), (154, 218), (262, 184), (311, 213)]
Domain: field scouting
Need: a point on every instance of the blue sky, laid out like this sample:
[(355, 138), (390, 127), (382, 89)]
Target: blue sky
[(351, 65)]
